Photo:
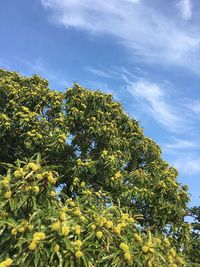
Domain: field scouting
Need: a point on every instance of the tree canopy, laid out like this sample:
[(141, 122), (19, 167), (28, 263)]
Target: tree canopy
[(194, 249), (38, 228), (88, 142)]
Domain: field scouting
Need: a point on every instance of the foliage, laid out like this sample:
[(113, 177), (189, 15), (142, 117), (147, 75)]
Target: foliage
[(36, 227), (194, 251), (102, 194), (86, 134)]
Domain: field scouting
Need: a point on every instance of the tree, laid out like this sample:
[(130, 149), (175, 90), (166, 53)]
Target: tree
[(86, 135), (194, 250), (38, 229)]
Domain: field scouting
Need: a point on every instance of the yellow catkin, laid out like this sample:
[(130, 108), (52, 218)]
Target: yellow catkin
[(32, 245), (78, 254), (63, 216), (34, 167), (14, 231), (17, 174), (21, 229), (127, 256), (56, 248), (99, 234), (78, 230), (8, 194), (36, 189), (8, 262), (145, 249), (137, 237), (55, 226), (78, 243), (65, 230), (39, 236), (124, 247), (109, 224)]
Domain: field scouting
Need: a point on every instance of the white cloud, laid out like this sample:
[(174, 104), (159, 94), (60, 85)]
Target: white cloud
[(192, 109), (144, 30), (133, 1), (185, 8), (180, 144), (152, 99), (158, 101), (98, 72), (195, 107), (188, 165)]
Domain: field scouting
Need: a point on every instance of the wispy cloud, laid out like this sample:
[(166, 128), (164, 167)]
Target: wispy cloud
[(188, 165), (152, 99), (180, 144), (146, 32), (192, 109), (185, 8), (194, 106), (98, 72), (160, 101), (133, 1)]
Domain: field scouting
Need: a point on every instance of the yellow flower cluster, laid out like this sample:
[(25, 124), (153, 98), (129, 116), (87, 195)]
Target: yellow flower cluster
[(124, 247), (5, 182), (109, 224), (78, 243), (51, 179), (70, 202), (55, 226), (8, 262), (38, 236), (82, 184), (21, 228), (148, 248), (25, 114), (18, 173), (127, 256), (87, 192), (99, 234), (93, 226), (8, 194), (78, 230), (56, 248), (117, 176), (35, 188), (100, 221), (33, 167), (137, 237), (117, 229), (77, 212), (62, 138), (78, 254), (172, 258), (34, 135), (65, 230), (63, 216)]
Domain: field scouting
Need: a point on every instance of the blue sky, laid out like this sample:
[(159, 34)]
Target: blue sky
[(145, 52)]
